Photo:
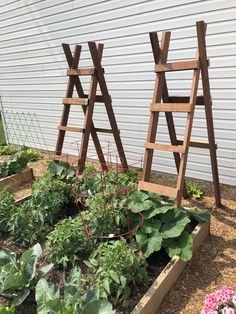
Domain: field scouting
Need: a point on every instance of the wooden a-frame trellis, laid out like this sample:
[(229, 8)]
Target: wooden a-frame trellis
[(87, 101), (162, 102)]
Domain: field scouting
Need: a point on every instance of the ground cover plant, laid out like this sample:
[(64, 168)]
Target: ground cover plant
[(96, 237)]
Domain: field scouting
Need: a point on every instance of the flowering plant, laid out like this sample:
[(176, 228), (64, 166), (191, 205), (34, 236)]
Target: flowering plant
[(223, 301)]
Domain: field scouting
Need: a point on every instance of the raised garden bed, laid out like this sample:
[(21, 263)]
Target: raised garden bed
[(92, 242), (26, 176), (164, 282)]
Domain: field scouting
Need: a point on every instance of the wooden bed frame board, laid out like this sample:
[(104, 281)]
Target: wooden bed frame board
[(17, 179)]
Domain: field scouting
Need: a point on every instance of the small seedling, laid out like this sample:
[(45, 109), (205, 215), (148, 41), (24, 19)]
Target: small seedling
[(194, 190)]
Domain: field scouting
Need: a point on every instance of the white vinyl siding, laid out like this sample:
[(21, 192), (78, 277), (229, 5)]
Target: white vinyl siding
[(33, 67)]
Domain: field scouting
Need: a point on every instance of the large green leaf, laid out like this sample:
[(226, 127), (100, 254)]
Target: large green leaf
[(21, 297), (44, 270), (90, 296), (98, 307), (45, 291), (139, 201), (173, 223), (161, 209), (181, 246), (199, 215), (29, 260), (72, 285), (14, 281), (150, 242), (7, 256)]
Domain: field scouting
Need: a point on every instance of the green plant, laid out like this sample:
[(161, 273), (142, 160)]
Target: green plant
[(15, 164), (164, 225), (8, 150), (7, 208), (49, 195), (26, 224), (61, 170), (18, 277), (49, 301), (116, 267), (194, 190), (31, 154), (67, 239), (7, 310)]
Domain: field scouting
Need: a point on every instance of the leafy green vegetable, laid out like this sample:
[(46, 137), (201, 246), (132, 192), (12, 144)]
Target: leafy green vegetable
[(198, 215), (18, 277), (181, 246), (8, 150), (173, 223), (194, 190), (49, 301), (149, 237), (61, 170), (15, 164)]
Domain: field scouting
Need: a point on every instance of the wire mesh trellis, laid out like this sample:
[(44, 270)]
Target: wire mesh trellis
[(23, 128)]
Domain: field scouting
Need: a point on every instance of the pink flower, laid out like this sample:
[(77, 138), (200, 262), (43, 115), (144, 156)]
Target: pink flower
[(227, 310), (214, 301)]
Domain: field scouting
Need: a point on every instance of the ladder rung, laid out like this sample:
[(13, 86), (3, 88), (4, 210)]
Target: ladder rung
[(75, 101), (104, 130), (197, 144), (70, 128), (82, 71), (75, 129), (165, 147), (171, 107), (98, 98), (177, 66), (185, 99), (156, 188)]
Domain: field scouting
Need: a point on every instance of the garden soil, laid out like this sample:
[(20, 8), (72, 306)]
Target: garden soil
[(214, 263)]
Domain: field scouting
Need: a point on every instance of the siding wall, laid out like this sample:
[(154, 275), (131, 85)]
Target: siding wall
[(33, 81)]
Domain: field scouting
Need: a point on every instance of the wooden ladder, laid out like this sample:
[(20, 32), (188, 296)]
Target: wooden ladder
[(162, 102), (87, 101)]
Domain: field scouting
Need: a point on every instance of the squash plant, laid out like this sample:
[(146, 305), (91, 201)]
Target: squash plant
[(164, 225), (17, 277), (49, 300)]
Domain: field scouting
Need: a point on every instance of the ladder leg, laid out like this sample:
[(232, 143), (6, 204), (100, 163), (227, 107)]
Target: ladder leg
[(93, 131), (108, 105), (172, 133), (73, 62), (160, 56), (88, 117), (173, 139), (201, 29), (187, 136)]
